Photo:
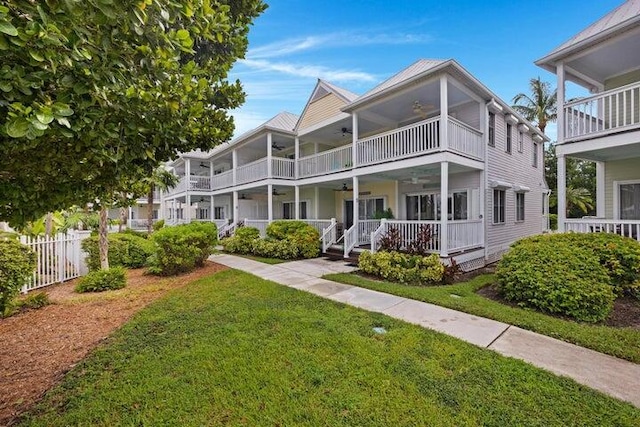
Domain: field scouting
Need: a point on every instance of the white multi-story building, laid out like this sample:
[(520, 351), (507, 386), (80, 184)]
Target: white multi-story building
[(432, 145), (604, 127)]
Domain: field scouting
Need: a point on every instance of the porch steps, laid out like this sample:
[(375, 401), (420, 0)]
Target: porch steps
[(336, 253)]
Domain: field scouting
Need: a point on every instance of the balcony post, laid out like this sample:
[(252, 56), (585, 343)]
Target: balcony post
[(234, 166), (269, 155), (444, 209), (236, 208), (560, 113), (562, 191), (354, 139), (211, 206), (296, 158), (210, 175), (600, 184), (187, 216), (270, 202), (297, 201), (356, 202), (444, 113), (316, 202)]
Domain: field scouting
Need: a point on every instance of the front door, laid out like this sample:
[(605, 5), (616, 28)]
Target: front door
[(348, 214)]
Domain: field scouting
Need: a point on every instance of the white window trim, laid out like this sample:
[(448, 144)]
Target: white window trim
[(616, 195), (493, 198), (520, 141), (520, 221), (369, 196), (451, 191)]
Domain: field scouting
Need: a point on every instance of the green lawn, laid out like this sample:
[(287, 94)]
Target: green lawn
[(233, 349), (620, 342)]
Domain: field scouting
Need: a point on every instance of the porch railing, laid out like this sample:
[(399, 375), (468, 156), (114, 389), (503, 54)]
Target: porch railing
[(260, 224), (465, 234), (282, 168), (139, 224), (253, 171), (350, 240), (607, 112), (465, 140), (335, 160), (365, 228), (222, 180), (319, 224), (626, 228), (417, 138), (199, 182), (329, 235)]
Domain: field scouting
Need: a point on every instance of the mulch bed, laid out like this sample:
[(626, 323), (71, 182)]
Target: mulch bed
[(40, 346), (625, 313)]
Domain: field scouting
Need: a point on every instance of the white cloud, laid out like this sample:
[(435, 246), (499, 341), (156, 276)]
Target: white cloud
[(247, 120), (313, 71)]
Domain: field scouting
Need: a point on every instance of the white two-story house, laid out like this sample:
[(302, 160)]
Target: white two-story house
[(605, 126), (430, 148)]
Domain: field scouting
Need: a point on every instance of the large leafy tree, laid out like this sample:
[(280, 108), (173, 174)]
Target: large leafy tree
[(95, 94), (581, 184), (540, 106)]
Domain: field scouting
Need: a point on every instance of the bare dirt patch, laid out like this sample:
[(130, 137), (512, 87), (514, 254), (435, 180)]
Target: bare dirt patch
[(40, 346)]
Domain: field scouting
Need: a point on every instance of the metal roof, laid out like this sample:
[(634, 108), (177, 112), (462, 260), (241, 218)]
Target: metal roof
[(347, 95), (418, 67), (616, 20)]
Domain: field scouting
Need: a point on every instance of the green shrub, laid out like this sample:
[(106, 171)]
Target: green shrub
[(136, 233), (304, 237), (619, 255), (283, 229), (17, 263), (403, 268), (33, 301), (553, 221), (102, 280), (126, 250), (242, 241), (158, 225), (269, 248), (182, 248), (555, 275)]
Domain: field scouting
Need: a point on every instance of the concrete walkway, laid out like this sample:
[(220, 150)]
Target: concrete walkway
[(615, 377)]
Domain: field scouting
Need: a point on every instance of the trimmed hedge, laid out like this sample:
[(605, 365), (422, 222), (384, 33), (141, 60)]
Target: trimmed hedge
[(17, 263), (242, 241), (182, 248), (302, 236), (103, 280), (125, 250), (404, 268), (554, 274)]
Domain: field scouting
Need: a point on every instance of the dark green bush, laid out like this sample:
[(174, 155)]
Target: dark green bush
[(555, 275), (304, 237), (103, 280), (285, 228), (158, 225), (17, 263), (242, 241), (126, 250), (403, 268), (270, 248), (286, 239), (136, 233), (182, 248)]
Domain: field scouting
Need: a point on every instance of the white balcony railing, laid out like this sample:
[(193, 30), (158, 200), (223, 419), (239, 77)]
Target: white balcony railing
[(418, 138), (627, 228), (199, 183), (282, 168), (253, 171), (335, 160), (465, 140), (222, 180), (260, 224), (465, 234), (319, 224), (607, 112)]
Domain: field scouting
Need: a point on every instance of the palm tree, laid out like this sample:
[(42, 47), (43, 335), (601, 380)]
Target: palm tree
[(160, 179), (539, 107), (578, 200)]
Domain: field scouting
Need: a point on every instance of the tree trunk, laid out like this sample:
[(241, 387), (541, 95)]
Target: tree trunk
[(103, 241), (150, 209), (48, 224)]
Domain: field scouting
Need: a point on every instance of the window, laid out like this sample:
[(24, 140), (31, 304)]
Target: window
[(520, 207), (427, 206), (498, 206), (509, 128), (179, 213), (202, 213), (492, 129), (629, 201), (520, 141), (288, 210), (535, 155), (368, 208), (218, 212)]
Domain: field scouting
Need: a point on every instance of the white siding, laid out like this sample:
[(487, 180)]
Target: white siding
[(618, 170)]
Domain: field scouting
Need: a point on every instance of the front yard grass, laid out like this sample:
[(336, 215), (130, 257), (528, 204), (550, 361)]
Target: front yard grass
[(620, 342), (233, 349)]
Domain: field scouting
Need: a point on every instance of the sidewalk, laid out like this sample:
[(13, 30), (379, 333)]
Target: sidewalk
[(615, 377)]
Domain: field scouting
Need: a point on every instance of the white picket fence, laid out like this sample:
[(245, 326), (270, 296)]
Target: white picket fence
[(59, 258)]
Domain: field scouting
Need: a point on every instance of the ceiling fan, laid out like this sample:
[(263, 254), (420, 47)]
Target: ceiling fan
[(415, 179), (275, 192), (344, 131), (277, 147), (344, 188), (244, 197), (204, 165), (420, 109)]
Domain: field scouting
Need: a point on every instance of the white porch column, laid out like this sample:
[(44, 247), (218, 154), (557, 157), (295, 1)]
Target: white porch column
[(560, 118), (600, 169), (187, 211), (234, 168), (296, 157), (212, 216), (562, 191), (396, 212), (210, 174), (236, 208), (269, 154), (444, 113), (354, 139), (444, 209), (356, 202), (270, 202), (316, 202), (297, 201)]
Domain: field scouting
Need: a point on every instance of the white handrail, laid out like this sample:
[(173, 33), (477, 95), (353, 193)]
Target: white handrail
[(282, 168), (365, 228), (329, 161), (222, 180), (253, 171), (465, 139), (626, 228), (329, 235), (350, 240), (199, 182), (375, 235)]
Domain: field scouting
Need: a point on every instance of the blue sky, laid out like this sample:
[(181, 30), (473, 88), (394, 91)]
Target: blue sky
[(357, 44)]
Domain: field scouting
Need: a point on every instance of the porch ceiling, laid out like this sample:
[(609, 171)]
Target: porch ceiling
[(611, 153)]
